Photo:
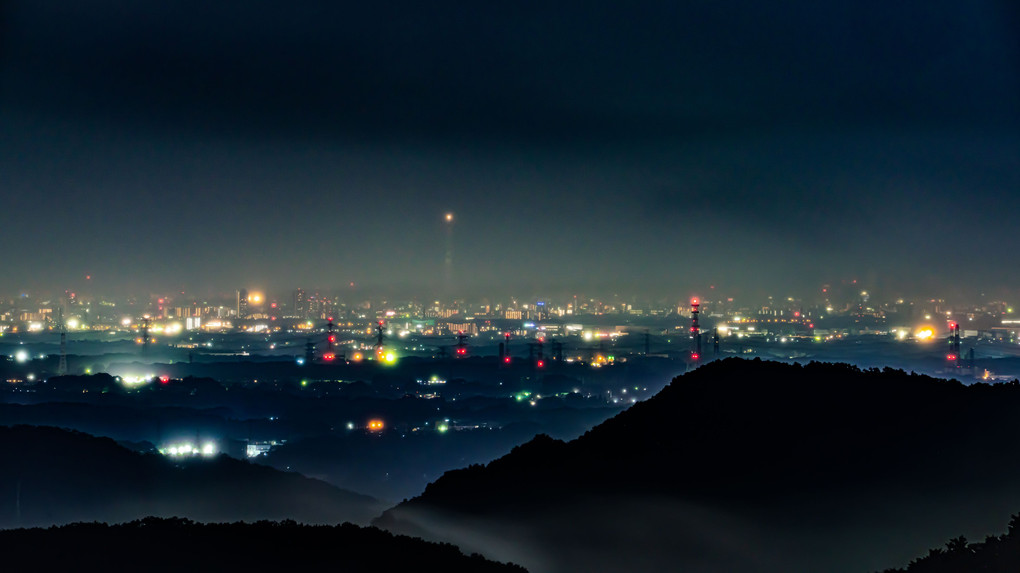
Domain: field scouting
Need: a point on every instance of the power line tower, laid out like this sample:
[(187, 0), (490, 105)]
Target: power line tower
[(62, 366), (329, 355), (379, 332), (309, 351), (145, 334), (461, 344)]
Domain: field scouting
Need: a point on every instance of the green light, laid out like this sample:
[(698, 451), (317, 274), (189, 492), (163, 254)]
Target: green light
[(442, 428), (304, 382)]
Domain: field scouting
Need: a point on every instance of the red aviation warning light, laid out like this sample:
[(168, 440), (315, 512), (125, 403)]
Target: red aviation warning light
[(695, 356), (461, 351), (329, 357), (506, 360), (950, 357), (540, 364)]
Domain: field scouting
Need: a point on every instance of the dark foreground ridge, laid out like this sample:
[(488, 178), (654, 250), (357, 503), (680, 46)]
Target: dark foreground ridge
[(154, 544), (747, 465), (53, 476), (996, 554)]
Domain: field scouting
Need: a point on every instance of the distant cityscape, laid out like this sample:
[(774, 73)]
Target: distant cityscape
[(314, 326)]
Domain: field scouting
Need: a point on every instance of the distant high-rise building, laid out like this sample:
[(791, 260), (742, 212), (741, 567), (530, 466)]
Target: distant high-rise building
[(300, 303), (242, 303)]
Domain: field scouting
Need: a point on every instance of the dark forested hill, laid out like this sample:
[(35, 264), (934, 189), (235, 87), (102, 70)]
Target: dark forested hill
[(153, 544), (996, 554), (746, 465), (53, 476)]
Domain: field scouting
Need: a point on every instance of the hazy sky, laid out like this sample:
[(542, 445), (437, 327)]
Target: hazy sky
[(582, 145)]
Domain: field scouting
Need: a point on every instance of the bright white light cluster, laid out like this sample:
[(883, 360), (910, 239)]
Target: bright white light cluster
[(187, 450), (132, 381)]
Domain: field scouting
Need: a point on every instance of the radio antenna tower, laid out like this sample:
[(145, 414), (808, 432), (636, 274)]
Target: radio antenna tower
[(695, 329), (954, 345)]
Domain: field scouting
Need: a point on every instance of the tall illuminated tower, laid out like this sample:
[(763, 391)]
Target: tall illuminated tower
[(448, 260)]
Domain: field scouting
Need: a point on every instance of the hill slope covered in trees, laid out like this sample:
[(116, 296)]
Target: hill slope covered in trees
[(53, 476), (745, 465), (154, 544)]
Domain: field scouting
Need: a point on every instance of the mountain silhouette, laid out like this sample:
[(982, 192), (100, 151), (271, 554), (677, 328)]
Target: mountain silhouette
[(154, 544), (745, 466), (54, 476)]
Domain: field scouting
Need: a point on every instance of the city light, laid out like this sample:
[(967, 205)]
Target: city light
[(187, 450), (376, 425)]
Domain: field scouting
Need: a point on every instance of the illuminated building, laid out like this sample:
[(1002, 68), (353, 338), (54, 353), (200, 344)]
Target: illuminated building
[(242, 303), (300, 303)]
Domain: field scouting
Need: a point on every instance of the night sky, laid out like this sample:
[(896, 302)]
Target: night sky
[(659, 147)]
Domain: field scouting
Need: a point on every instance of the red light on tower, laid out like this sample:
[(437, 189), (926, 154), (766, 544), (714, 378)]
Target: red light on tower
[(164, 379), (329, 357), (950, 357), (506, 360), (540, 364), (952, 326), (695, 356), (332, 338), (694, 301)]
